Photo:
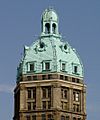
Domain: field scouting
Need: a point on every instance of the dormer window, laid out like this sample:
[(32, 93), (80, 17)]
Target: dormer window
[(31, 66), (63, 65), (75, 68), (46, 65)]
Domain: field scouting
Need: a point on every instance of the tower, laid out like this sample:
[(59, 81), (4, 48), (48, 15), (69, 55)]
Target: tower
[(50, 83)]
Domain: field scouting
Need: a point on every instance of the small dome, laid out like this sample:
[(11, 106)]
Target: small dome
[(49, 14)]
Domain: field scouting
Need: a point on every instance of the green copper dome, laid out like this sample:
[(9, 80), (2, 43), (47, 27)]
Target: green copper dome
[(50, 53), (49, 14)]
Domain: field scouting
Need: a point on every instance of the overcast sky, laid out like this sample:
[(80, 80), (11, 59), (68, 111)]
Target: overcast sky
[(20, 24)]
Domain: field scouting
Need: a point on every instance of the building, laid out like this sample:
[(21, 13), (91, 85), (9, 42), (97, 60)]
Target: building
[(50, 83)]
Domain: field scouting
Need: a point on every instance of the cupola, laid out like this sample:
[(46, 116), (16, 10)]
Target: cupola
[(49, 22)]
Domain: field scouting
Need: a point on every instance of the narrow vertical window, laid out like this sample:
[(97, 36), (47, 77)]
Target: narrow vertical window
[(47, 66), (61, 93), (49, 104), (29, 105), (34, 93), (44, 93), (75, 69), (74, 107), (43, 117), (49, 92), (62, 105), (74, 96), (79, 119), (29, 94), (34, 105), (65, 105), (77, 96), (50, 76), (65, 94), (74, 118), (44, 104), (33, 117), (32, 67), (44, 77), (28, 117), (50, 117), (77, 108), (61, 77), (66, 78), (63, 66), (35, 77), (67, 117), (62, 117)]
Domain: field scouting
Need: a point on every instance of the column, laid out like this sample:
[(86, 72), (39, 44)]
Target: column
[(22, 97), (70, 99), (38, 100)]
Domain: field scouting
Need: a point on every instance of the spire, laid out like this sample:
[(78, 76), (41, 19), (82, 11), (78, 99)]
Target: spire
[(49, 22)]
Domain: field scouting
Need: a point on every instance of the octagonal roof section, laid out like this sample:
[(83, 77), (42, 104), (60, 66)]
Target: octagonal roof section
[(49, 14)]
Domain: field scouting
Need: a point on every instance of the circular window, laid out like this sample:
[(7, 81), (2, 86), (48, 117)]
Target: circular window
[(65, 47), (42, 45)]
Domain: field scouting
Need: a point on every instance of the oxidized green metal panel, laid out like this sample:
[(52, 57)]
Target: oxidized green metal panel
[(49, 47)]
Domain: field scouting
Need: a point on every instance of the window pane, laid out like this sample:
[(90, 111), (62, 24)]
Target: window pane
[(61, 93), (34, 117), (62, 105), (75, 69), (29, 105), (73, 79), (49, 104), (65, 106), (34, 105), (63, 66), (43, 117), (28, 78), (49, 76), (49, 92), (77, 96), (77, 108), (74, 118), (67, 117), (47, 66), (44, 77), (62, 117), (74, 109), (65, 94), (34, 93), (35, 77), (28, 117), (32, 67), (50, 117), (44, 92), (74, 96), (66, 78), (61, 77), (29, 93), (44, 104), (79, 118)]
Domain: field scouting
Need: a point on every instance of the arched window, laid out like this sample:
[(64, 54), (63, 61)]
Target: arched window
[(54, 28), (47, 28)]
